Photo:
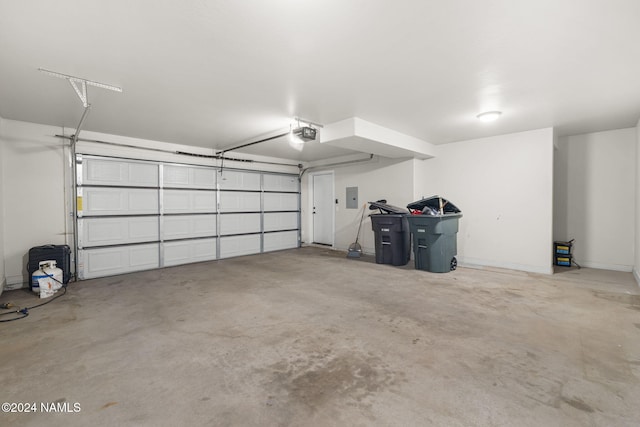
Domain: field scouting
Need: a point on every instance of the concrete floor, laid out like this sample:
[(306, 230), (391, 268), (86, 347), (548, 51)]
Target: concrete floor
[(307, 337)]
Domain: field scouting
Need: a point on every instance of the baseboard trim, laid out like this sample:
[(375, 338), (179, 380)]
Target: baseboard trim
[(15, 282), (480, 263), (601, 266)]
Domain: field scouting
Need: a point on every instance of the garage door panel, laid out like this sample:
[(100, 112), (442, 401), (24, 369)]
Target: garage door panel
[(119, 173), (279, 183), (280, 221), (119, 201), (280, 241), (239, 245), (237, 180), (187, 251), (143, 201), (117, 260), (188, 226), (239, 223), (239, 202), (189, 177), (117, 231), (135, 215), (189, 201), (143, 175), (203, 178), (280, 202)]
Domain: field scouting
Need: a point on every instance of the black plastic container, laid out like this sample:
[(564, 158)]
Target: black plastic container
[(61, 254), (434, 234), (391, 232), (562, 260), (562, 248)]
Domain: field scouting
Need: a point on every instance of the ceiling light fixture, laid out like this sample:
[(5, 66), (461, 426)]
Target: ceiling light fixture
[(489, 116)]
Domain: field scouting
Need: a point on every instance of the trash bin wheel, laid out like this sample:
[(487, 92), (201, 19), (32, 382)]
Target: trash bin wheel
[(454, 263)]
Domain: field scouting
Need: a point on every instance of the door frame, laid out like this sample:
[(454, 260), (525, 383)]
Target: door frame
[(310, 206)]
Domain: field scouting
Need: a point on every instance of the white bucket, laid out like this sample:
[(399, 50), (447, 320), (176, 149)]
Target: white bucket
[(47, 279)]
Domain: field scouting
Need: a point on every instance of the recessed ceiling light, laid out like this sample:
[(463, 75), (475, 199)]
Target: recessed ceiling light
[(489, 116)]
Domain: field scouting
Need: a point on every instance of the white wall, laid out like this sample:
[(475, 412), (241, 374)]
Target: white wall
[(2, 205), (504, 187), (381, 178), (595, 197), (34, 202), (636, 269)]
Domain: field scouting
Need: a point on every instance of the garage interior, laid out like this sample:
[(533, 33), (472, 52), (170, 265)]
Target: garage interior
[(208, 164)]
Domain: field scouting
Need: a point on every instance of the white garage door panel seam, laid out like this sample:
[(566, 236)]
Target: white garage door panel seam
[(135, 215)]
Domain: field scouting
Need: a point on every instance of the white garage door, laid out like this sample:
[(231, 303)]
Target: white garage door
[(139, 215)]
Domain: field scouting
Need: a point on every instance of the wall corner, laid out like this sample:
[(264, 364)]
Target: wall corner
[(636, 241), (2, 207)]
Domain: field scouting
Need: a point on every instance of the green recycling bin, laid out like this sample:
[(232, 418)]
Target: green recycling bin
[(434, 226)]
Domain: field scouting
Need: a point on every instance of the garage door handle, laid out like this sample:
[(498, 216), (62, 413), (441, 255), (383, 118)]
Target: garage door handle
[(386, 243)]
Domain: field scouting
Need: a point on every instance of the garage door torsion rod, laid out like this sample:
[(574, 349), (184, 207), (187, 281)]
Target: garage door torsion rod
[(183, 153), (253, 143)]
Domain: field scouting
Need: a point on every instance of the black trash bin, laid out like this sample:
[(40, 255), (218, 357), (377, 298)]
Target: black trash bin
[(391, 231), (434, 225), (61, 254)]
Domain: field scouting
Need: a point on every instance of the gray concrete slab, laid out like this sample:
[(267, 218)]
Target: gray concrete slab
[(309, 337)]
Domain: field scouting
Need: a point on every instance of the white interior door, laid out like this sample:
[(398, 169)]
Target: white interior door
[(323, 209)]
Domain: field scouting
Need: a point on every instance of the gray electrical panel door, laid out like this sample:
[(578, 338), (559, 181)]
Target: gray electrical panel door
[(352, 197)]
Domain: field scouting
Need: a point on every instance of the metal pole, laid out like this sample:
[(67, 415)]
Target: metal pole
[(181, 153), (253, 143), (74, 210), (79, 127)]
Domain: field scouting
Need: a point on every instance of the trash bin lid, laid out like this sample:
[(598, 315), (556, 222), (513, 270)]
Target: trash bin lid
[(433, 202), (387, 209)]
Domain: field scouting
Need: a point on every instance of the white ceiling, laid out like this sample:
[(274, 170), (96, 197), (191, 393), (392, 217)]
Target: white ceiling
[(215, 73)]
